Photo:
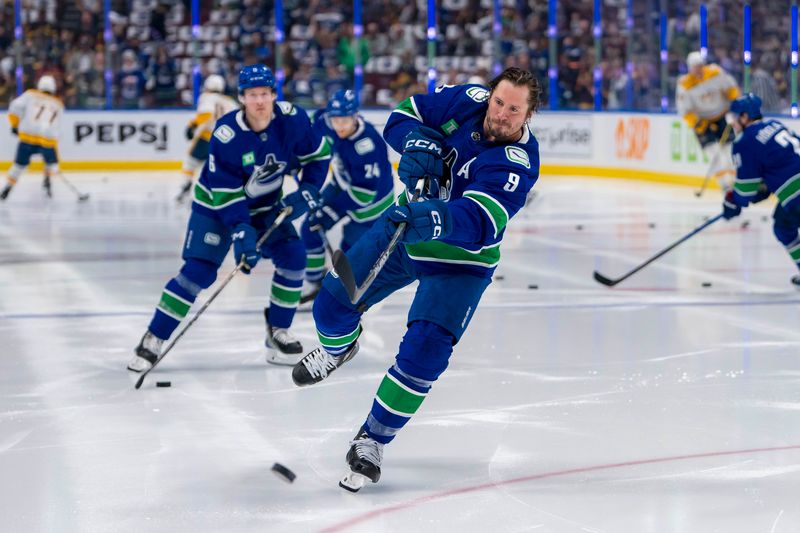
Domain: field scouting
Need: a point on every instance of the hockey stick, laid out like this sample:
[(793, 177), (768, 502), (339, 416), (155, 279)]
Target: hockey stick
[(714, 160), (608, 282), (82, 197), (343, 270), (278, 220)]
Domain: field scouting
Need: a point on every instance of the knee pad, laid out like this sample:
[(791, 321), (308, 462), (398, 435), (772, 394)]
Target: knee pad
[(52, 169), (16, 171), (425, 350), (785, 234), (197, 272)]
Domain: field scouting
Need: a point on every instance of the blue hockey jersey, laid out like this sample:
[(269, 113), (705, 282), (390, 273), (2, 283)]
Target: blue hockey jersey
[(487, 182), (767, 153), (361, 170), (245, 169)]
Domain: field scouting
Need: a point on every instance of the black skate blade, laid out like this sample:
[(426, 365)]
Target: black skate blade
[(349, 489)]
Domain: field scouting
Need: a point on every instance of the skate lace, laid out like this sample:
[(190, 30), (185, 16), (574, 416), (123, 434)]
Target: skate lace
[(319, 363), (369, 450), (283, 336)]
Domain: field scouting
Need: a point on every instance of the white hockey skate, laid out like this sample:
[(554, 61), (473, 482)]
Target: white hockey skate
[(364, 458), (147, 353), (282, 347)]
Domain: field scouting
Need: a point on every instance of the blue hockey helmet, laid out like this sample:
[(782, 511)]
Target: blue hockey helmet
[(747, 103), (255, 76), (342, 104)]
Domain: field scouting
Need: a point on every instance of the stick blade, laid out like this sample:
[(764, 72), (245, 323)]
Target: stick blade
[(140, 381), (608, 282), (343, 271)]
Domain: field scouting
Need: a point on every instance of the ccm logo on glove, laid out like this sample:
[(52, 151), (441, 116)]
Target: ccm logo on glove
[(425, 144)]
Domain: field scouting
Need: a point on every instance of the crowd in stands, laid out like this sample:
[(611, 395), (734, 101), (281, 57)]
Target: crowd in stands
[(151, 50)]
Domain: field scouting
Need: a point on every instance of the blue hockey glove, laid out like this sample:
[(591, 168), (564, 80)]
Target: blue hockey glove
[(304, 199), (329, 193), (323, 219), (426, 221), (422, 159), (190, 132), (244, 246), (729, 207)]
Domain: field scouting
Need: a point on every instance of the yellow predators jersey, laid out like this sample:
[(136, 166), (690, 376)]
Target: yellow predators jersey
[(701, 100), (37, 117), (210, 107)]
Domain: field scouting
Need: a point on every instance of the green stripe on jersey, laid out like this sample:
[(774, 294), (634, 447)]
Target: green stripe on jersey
[(494, 209), (409, 108), (322, 152), (747, 187), (398, 398), (789, 190), (219, 198), (440, 252), (337, 342), (173, 305), (374, 210), (361, 196)]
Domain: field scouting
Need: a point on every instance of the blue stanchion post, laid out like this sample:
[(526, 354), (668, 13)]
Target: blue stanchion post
[(597, 75), (18, 45), (108, 74), (196, 74), (497, 29), (358, 32), (794, 57), (703, 31), (664, 57), (629, 54), (552, 43), (280, 75), (746, 53), (431, 45)]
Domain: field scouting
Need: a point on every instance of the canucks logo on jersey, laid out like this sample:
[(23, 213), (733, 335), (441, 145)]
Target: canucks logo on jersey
[(266, 178)]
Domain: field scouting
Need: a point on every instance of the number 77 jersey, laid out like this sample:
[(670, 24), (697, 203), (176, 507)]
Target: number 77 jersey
[(485, 183), (37, 116), (767, 153)]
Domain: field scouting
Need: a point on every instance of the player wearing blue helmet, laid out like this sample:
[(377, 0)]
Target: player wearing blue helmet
[(766, 155), (360, 189), (237, 197)]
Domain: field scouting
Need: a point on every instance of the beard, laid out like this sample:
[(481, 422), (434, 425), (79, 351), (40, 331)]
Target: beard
[(499, 131)]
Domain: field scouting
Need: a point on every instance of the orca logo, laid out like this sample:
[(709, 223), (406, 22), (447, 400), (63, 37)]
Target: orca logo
[(266, 178)]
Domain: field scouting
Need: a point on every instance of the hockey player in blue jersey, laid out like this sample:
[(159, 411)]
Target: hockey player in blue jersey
[(361, 189), (766, 155), (472, 149), (236, 198)]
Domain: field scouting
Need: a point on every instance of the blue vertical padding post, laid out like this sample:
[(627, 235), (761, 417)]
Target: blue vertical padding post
[(280, 75), (196, 74), (746, 53), (703, 31), (108, 37), (431, 45), (552, 42), (497, 29), (629, 55), (794, 58), (18, 44), (664, 58), (597, 32), (358, 32)]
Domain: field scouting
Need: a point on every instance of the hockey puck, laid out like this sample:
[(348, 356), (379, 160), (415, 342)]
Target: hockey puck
[(764, 218), (579, 227), (284, 473), (163, 384), (499, 278), (706, 284), (745, 224), (652, 224), (532, 286)]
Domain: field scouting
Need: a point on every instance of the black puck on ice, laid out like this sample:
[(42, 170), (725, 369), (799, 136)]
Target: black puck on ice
[(706, 284), (283, 472), (764, 218), (579, 227), (652, 224), (745, 224), (499, 278), (163, 384), (532, 286)]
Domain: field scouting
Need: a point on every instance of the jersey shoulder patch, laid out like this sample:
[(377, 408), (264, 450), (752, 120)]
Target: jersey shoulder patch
[(515, 154), (364, 146), (224, 133), (287, 108), (477, 93)]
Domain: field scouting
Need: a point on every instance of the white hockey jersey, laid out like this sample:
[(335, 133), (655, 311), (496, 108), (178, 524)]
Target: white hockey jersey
[(37, 117), (210, 107), (704, 100)]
